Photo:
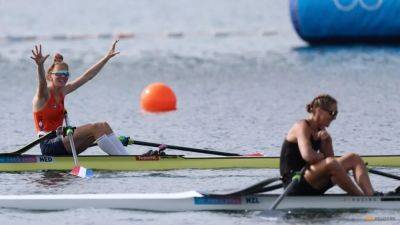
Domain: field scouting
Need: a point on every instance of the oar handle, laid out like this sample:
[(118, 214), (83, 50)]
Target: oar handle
[(295, 180), (70, 132)]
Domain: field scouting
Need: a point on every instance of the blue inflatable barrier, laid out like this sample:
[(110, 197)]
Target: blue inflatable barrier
[(338, 21)]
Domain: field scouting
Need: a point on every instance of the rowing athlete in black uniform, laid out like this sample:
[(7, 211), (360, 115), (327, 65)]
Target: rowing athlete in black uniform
[(309, 144)]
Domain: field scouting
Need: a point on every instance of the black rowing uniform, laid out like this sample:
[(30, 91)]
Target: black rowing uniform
[(291, 162)]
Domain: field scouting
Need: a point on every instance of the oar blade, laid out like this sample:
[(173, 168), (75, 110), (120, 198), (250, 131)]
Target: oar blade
[(255, 154), (82, 172)]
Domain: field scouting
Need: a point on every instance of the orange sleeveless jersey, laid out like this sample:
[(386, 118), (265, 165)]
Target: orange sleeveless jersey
[(51, 116)]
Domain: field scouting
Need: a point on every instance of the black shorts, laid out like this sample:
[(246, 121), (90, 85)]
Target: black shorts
[(53, 146), (304, 188)]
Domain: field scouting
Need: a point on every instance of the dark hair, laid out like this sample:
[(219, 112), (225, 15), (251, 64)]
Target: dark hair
[(324, 101), (58, 60)]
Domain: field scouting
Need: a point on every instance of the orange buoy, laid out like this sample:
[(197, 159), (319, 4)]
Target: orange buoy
[(158, 97)]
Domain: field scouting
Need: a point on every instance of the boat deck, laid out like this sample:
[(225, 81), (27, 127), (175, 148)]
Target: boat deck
[(170, 162)]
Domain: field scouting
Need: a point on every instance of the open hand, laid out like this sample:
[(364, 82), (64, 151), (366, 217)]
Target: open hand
[(111, 53), (37, 55)]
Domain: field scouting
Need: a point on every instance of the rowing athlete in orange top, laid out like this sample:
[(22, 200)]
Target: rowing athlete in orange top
[(48, 107)]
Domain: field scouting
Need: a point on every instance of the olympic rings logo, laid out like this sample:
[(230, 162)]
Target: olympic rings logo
[(353, 4)]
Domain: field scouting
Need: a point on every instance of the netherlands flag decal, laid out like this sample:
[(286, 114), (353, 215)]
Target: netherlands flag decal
[(82, 172)]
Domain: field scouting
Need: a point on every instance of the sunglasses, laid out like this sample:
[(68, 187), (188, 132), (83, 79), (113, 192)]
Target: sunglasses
[(332, 113), (61, 73)]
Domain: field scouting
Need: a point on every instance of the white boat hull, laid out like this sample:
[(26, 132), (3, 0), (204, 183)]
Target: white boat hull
[(193, 201)]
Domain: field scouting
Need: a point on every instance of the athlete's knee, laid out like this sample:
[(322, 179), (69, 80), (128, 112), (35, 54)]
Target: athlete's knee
[(355, 158), (106, 126), (96, 129), (99, 126), (103, 127), (332, 164), (330, 160)]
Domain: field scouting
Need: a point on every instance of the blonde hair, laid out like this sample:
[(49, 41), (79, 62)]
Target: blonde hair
[(324, 101), (58, 60)]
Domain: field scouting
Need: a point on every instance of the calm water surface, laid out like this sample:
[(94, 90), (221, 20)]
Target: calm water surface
[(241, 75)]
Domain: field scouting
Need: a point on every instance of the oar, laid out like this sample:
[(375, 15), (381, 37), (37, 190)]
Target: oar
[(256, 188), (384, 174), (30, 145), (128, 141), (262, 186), (212, 152), (271, 212), (78, 170)]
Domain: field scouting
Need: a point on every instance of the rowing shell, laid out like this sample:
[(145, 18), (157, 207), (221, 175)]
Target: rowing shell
[(194, 201), (142, 163)]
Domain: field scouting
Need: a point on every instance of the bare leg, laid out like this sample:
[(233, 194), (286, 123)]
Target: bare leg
[(351, 161), (318, 176), (85, 135)]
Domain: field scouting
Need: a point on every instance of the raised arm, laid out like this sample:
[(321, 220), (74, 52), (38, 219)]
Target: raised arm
[(41, 95), (303, 140), (91, 72)]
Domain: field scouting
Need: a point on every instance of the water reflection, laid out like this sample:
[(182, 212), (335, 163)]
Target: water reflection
[(50, 179)]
